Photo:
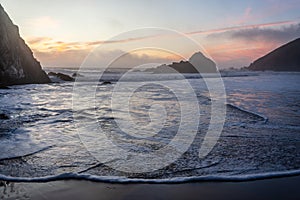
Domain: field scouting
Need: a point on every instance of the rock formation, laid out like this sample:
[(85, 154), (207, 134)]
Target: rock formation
[(202, 63), (284, 58), (17, 64), (198, 63), (61, 76)]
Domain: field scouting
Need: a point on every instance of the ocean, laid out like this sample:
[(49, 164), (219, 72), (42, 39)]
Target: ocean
[(91, 130)]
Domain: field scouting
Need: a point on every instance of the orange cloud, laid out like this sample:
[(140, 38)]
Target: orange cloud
[(74, 58), (46, 44)]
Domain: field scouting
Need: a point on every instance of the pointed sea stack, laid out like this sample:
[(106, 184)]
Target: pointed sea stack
[(198, 63), (202, 63), (17, 64)]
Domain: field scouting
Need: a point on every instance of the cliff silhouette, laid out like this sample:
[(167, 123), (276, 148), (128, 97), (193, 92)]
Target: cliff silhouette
[(17, 64), (284, 58)]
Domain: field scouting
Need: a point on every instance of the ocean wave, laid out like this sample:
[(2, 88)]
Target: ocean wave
[(24, 153), (116, 179), (260, 116)]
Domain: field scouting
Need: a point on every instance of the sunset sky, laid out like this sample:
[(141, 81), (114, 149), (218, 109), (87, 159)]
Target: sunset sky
[(232, 32)]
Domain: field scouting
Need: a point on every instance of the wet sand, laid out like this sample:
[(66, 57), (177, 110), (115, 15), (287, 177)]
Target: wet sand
[(276, 188)]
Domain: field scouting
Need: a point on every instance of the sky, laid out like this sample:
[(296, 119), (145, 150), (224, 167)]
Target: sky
[(233, 33)]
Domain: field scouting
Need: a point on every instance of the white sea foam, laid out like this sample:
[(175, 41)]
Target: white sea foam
[(116, 179), (41, 117), (265, 119)]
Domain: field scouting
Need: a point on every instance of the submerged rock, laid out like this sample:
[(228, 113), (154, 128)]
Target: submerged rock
[(3, 116), (52, 74), (17, 64), (75, 74), (106, 83), (65, 77), (3, 87), (61, 76)]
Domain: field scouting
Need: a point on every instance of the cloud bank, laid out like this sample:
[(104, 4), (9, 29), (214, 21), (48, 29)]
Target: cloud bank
[(75, 58), (239, 47), (279, 35)]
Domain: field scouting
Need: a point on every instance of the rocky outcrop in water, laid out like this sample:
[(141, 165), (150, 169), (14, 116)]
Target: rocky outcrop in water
[(76, 74), (61, 76), (284, 58), (17, 64), (198, 63), (4, 116)]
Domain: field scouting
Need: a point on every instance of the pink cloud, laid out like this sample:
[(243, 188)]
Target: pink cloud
[(219, 30)]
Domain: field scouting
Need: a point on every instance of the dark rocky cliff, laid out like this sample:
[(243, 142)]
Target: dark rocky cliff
[(284, 58), (17, 64)]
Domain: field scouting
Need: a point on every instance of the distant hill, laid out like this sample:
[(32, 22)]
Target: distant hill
[(197, 63), (284, 58)]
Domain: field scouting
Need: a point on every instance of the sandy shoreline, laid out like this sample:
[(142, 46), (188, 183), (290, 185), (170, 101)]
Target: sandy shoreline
[(277, 188)]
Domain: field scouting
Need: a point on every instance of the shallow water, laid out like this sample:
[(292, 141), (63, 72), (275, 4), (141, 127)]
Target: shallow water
[(261, 133)]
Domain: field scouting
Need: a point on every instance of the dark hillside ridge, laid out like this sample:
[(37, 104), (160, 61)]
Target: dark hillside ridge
[(284, 58)]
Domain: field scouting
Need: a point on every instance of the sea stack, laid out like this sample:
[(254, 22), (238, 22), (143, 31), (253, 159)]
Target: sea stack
[(17, 64), (202, 63), (197, 63)]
